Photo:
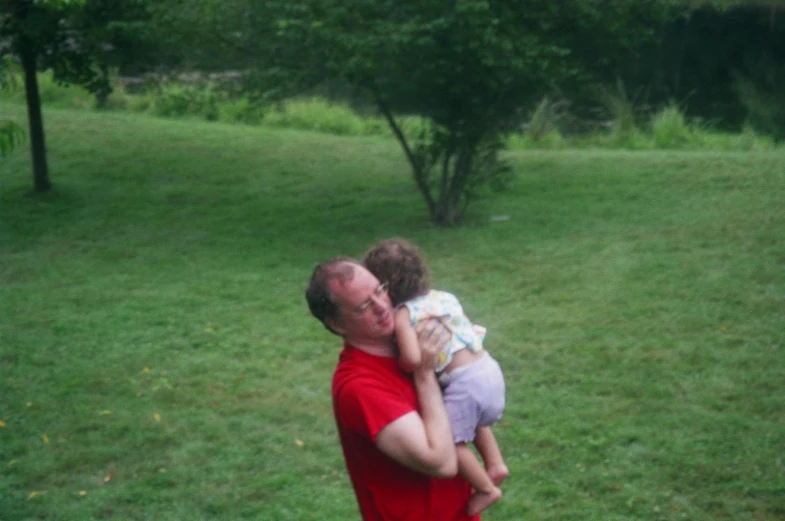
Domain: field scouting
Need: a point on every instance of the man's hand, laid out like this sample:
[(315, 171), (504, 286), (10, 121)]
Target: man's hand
[(432, 336)]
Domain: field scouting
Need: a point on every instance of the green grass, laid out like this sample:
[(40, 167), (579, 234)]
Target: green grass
[(154, 328)]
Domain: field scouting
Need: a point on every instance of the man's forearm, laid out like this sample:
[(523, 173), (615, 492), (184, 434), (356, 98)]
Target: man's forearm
[(435, 420)]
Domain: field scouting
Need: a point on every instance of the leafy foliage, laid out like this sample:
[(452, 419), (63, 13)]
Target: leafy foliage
[(760, 91), (11, 133), (698, 58), (469, 67), (11, 136), (670, 128), (73, 38)]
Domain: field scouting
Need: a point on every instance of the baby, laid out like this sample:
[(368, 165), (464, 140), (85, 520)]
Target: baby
[(471, 379)]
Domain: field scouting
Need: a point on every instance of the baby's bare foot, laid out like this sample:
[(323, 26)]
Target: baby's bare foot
[(498, 474), (482, 500)]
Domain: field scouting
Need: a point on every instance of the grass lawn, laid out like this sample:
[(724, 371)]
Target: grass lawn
[(159, 362)]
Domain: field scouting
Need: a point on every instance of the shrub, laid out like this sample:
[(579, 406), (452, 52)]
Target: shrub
[(178, 99), (750, 140), (553, 140), (376, 126), (632, 139), (670, 128), (542, 122), (118, 99), (240, 110), (61, 95), (621, 111), (139, 102), (747, 141), (762, 95), (316, 114)]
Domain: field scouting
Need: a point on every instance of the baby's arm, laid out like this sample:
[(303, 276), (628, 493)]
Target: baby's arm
[(408, 348)]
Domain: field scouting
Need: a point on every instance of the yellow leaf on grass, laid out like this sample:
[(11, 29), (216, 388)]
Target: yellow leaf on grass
[(35, 493), (45, 438), (82, 492), (146, 370), (209, 330), (108, 477), (299, 443), (156, 417), (105, 412), (29, 404), (2, 424)]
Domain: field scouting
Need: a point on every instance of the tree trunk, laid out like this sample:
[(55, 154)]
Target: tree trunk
[(458, 169), (41, 181), (419, 175)]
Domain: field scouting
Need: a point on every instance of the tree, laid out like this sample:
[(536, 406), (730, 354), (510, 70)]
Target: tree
[(70, 37), (468, 67)]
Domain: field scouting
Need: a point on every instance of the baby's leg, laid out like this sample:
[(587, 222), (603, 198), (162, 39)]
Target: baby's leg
[(485, 492), (485, 442)]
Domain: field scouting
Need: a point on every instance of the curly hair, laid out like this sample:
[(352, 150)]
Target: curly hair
[(401, 266)]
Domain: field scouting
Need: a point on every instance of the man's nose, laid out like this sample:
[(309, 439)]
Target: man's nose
[(379, 303)]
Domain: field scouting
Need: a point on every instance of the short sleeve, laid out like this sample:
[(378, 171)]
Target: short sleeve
[(366, 406)]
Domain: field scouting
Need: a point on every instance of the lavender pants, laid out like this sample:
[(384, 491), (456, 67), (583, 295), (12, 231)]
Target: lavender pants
[(473, 397)]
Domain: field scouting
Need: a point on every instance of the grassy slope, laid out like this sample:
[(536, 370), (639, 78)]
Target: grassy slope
[(154, 329)]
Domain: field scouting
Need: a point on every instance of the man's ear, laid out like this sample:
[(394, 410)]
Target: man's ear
[(335, 326)]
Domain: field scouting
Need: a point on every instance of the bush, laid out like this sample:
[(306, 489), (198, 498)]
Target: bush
[(750, 140), (670, 128), (621, 111), (553, 140), (204, 99), (178, 99), (316, 114), (139, 103), (376, 126), (240, 110), (629, 140), (746, 141), (59, 95), (543, 121), (762, 95), (117, 100)]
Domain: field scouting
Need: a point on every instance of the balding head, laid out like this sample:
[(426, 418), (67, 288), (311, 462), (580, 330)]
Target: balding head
[(320, 299)]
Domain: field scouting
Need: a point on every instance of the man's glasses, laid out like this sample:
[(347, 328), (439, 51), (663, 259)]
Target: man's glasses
[(379, 292)]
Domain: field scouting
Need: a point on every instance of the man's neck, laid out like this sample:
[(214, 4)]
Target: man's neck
[(382, 348)]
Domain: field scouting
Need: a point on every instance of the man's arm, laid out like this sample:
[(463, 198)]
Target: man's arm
[(423, 442)]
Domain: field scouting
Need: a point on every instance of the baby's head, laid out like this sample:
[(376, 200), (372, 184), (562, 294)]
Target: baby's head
[(401, 266)]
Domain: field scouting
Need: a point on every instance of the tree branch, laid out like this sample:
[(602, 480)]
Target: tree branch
[(417, 168)]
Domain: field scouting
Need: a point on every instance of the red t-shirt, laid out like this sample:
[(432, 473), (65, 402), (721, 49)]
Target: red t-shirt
[(369, 392)]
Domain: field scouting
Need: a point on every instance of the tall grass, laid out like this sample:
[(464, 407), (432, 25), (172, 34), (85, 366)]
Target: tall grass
[(316, 114), (205, 100), (670, 129)]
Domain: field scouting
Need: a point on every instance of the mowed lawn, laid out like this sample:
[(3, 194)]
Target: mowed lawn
[(158, 360)]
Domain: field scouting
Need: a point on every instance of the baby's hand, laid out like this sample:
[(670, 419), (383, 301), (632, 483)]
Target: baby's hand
[(432, 336)]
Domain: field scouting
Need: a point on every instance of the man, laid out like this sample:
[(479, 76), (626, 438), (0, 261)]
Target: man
[(393, 427)]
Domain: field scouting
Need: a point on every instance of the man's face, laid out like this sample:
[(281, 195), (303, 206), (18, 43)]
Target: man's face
[(365, 308)]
